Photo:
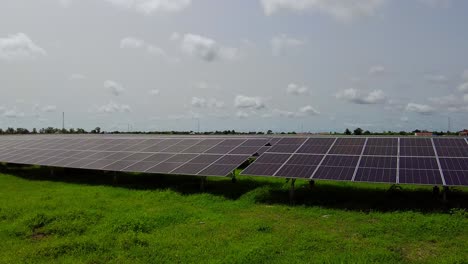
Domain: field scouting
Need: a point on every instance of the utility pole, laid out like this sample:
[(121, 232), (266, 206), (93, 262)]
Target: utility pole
[(198, 125)]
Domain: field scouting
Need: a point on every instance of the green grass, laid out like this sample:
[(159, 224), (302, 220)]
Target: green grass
[(79, 217)]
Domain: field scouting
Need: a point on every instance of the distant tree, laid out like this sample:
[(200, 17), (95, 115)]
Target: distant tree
[(10, 130), (80, 131), (97, 130), (269, 132), (347, 132), (402, 133), (1, 131), (358, 131), (367, 132), (72, 131), (34, 131), (22, 131)]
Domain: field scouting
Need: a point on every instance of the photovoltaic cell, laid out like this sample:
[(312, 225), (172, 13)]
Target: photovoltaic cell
[(376, 175), (334, 173), (296, 171), (454, 164), (456, 178), (261, 169), (282, 148), (417, 151), (378, 162), (429, 177), (415, 142), (165, 167), (273, 158), (418, 163)]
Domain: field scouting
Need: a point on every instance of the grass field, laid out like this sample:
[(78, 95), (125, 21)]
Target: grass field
[(80, 217)]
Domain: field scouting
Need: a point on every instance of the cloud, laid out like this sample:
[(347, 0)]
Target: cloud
[(436, 3), (207, 49), (465, 75), (308, 110), (451, 103), (376, 70), (355, 96), (77, 76), (281, 43), (49, 108), (420, 108), (242, 114), (404, 119), (463, 87), (65, 3), (131, 43), (154, 92), (19, 47), (200, 102), (295, 89), (436, 78), (13, 113), (114, 87), (113, 107), (247, 102), (148, 7), (343, 10)]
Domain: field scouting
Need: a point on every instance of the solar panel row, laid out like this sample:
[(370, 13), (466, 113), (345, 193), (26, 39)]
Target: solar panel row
[(392, 160)]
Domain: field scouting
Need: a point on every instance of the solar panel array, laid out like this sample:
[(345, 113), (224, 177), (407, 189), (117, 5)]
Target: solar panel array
[(187, 156), (431, 161), (434, 161)]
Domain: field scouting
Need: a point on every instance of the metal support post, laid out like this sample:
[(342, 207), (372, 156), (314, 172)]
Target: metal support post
[(291, 192), (203, 183)]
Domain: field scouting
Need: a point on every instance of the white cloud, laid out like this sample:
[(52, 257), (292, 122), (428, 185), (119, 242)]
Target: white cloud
[(19, 47), (420, 108), (206, 49), (463, 87), (65, 3), (465, 75), (308, 110), (281, 43), (77, 76), (376, 70), (49, 108), (355, 96), (340, 9), (113, 107), (156, 51), (295, 89), (436, 78), (247, 102), (154, 92), (13, 113), (242, 114), (151, 6), (200, 102), (114, 87), (131, 43), (450, 103), (404, 119)]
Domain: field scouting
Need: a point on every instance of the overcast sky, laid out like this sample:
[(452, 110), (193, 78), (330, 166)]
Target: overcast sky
[(248, 65)]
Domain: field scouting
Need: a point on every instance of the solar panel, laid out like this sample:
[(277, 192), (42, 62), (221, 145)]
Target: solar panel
[(374, 159)]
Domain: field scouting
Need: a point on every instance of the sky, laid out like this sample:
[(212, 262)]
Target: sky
[(247, 65)]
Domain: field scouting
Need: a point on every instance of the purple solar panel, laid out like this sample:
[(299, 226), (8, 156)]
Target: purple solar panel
[(245, 150), (255, 143), (296, 171), (189, 169), (350, 142), (261, 169), (232, 142), (281, 148), (181, 158), (118, 165), (378, 162), (138, 156), (346, 150), (197, 149), (205, 159), (452, 151), (220, 149), (450, 142), (431, 177), (262, 150), (80, 163), (418, 163), (454, 164), (218, 170), (291, 141), (382, 142), (334, 173), (380, 151), (415, 142), (417, 151), (141, 166), (165, 167), (340, 161), (320, 141), (273, 158), (376, 175), (99, 164), (307, 160), (232, 159), (456, 178), (313, 149), (158, 157)]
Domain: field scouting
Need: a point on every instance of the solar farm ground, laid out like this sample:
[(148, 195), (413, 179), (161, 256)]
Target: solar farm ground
[(82, 217)]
